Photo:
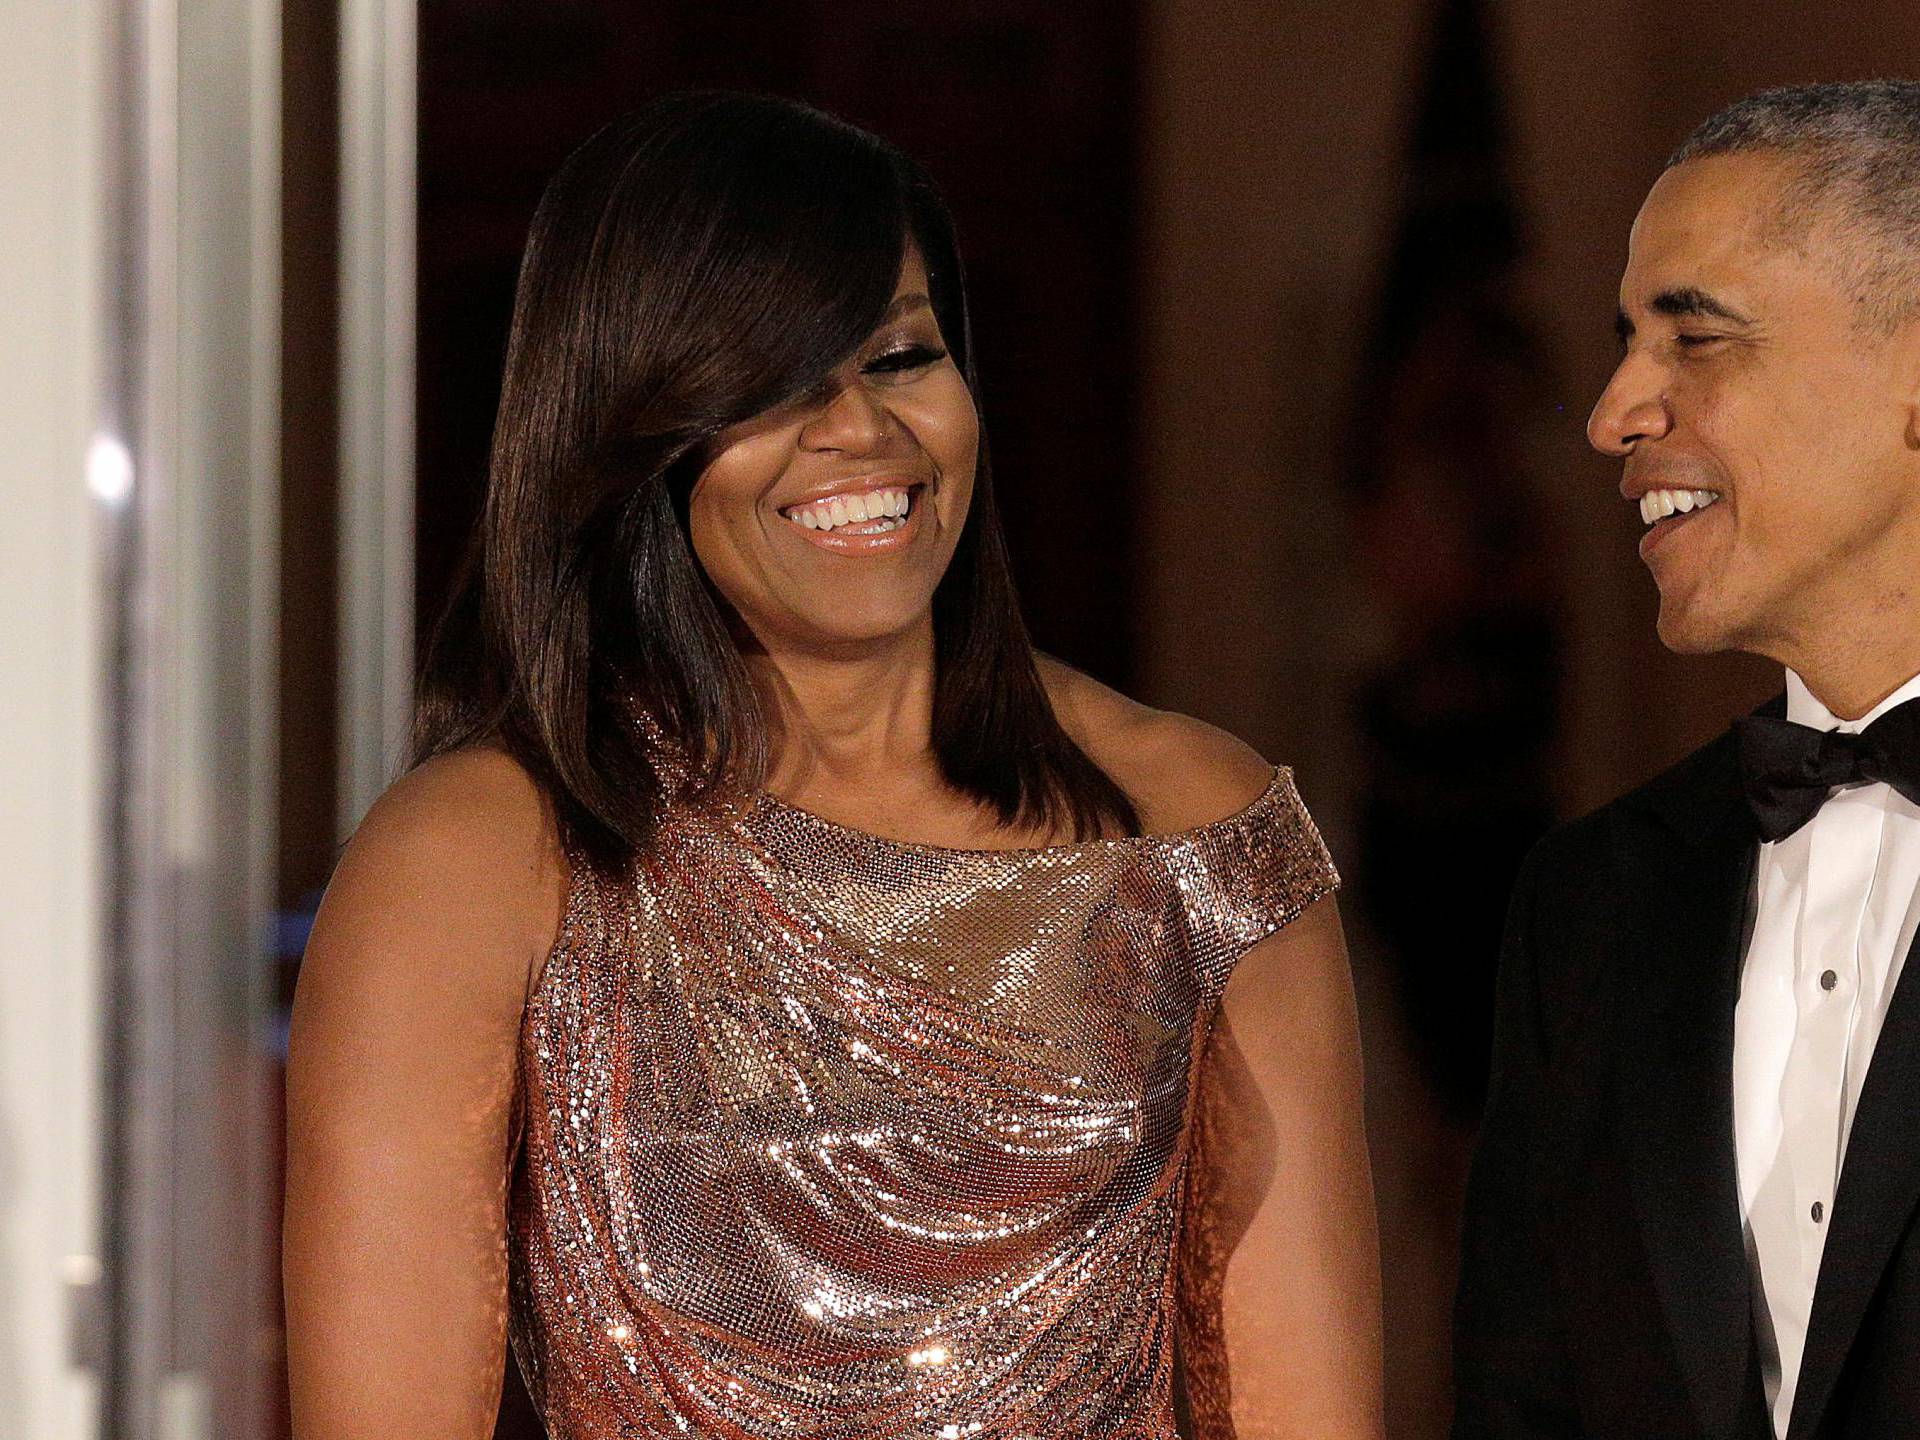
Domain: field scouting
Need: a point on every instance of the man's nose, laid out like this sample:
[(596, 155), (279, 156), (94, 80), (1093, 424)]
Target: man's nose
[(850, 418), (1632, 408)]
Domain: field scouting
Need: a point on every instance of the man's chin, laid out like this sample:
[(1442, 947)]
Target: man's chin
[(1684, 630)]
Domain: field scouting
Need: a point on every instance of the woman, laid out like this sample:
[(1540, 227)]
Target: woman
[(777, 1002)]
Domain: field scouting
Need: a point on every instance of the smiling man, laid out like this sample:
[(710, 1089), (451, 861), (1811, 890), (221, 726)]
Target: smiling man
[(1693, 1212)]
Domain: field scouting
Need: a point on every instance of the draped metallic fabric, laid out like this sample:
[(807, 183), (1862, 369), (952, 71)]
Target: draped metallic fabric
[(832, 1136)]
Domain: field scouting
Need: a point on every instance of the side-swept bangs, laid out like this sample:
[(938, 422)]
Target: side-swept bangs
[(692, 266)]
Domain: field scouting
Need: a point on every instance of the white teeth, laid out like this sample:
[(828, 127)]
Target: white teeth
[(863, 508), (1657, 505)]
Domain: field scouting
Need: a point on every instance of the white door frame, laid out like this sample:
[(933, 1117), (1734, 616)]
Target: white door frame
[(378, 209)]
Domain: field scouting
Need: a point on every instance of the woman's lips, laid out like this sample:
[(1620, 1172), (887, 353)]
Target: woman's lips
[(882, 528)]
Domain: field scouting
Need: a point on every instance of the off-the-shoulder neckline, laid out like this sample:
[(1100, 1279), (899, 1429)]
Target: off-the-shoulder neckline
[(768, 803)]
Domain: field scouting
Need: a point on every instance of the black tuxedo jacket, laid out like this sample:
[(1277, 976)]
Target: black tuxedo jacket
[(1604, 1288)]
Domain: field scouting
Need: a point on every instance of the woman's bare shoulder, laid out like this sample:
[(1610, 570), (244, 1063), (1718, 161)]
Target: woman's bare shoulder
[(402, 1087), (463, 847), (1180, 772)]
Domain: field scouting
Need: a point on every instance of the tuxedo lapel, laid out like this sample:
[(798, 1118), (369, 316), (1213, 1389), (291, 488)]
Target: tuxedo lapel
[(1879, 1190), (1687, 855)]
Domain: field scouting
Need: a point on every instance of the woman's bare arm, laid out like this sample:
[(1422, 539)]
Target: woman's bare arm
[(399, 1087), (1282, 1292)]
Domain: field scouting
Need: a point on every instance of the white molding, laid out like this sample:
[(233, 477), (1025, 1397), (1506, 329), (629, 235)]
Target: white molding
[(186, 486), (56, 484), (378, 208)]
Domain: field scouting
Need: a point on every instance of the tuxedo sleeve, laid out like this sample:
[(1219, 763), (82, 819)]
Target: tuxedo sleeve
[(1512, 1379)]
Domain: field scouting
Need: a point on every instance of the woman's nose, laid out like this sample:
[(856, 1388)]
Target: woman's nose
[(849, 419)]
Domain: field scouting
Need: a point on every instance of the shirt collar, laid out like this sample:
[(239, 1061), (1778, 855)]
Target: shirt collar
[(1803, 708)]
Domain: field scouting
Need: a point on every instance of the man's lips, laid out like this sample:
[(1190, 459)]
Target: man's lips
[(1665, 508), (1662, 529), (1656, 503)]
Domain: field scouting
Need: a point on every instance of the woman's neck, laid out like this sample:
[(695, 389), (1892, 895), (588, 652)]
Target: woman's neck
[(838, 720)]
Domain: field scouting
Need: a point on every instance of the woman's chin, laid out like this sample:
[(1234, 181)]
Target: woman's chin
[(846, 632)]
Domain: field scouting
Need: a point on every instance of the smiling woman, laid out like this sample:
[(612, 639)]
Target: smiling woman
[(877, 465), (777, 1001), (724, 295)]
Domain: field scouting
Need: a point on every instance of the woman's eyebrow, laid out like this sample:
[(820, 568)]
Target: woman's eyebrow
[(912, 300)]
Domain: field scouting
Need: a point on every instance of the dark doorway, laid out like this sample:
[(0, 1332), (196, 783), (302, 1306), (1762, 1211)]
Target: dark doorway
[(1024, 114)]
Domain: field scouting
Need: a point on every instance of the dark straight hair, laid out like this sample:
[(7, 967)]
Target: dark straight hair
[(691, 266)]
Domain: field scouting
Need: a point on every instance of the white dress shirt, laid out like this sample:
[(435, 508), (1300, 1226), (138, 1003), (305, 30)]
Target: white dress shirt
[(1835, 913)]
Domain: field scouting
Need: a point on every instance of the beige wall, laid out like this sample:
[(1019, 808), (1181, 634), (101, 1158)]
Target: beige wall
[(1602, 92), (1274, 135), (1271, 141)]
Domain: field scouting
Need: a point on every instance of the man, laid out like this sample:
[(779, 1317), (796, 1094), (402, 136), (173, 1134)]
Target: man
[(1693, 1212)]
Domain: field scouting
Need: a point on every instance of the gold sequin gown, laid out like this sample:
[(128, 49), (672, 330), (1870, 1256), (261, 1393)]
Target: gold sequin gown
[(831, 1136)]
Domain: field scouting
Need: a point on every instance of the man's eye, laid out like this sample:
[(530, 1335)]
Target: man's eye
[(907, 357), (1692, 341)]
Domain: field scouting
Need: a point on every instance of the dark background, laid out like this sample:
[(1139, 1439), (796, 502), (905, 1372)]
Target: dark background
[(1021, 112)]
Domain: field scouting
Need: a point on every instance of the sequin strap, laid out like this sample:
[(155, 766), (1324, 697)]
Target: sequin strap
[(1249, 875)]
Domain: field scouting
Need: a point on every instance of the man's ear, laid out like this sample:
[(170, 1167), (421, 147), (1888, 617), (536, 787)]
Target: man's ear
[(1904, 350)]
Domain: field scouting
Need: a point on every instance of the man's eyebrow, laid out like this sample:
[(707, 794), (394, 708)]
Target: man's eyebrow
[(1680, 302), (1684, 302)]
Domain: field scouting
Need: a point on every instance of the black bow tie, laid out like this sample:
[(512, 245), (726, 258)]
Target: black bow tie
[(1789, 770)]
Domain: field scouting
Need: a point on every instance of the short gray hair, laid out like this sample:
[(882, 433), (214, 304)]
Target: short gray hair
[(1859, 141)]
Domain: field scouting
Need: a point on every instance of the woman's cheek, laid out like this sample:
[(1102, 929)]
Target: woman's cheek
[(719, 547), (948, 426)]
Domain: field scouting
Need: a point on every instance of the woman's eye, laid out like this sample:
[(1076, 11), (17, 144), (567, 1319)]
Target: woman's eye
[(906, 357)]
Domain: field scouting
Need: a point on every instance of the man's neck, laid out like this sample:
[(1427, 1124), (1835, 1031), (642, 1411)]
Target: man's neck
[(1857, 670), (1854, 634)]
